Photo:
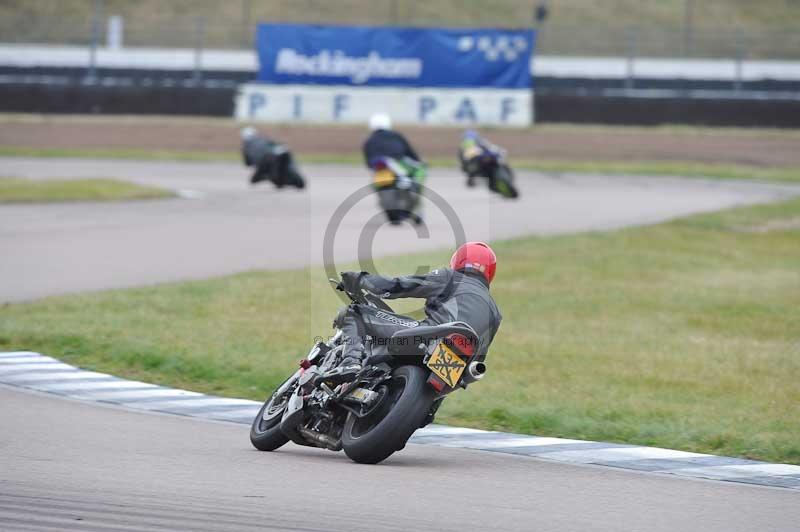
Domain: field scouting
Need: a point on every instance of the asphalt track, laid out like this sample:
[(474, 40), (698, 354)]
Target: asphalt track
[(230, 227), (67, 465)]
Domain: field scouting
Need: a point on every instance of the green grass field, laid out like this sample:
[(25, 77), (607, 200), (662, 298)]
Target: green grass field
[(684, 335), (15, 190), (577, 27)]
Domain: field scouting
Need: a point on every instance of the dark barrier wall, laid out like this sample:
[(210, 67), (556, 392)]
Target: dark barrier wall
[(98, 98), (550, 106), (596, 109)]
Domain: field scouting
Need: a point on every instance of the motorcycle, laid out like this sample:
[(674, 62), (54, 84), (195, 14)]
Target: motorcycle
[(489, 163), (280, 169), (401, 386), (399, 185)]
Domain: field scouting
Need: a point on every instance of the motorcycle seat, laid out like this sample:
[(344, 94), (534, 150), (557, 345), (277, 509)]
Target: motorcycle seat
[(407, 341)]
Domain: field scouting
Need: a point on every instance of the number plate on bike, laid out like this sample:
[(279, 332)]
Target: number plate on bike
[(447, 365), (472, 151), (384, 178)]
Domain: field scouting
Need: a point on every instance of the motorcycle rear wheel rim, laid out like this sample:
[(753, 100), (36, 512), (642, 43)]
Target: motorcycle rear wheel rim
[(365, 425)]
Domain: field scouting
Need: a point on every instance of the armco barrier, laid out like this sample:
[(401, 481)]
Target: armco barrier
[(597, 108)]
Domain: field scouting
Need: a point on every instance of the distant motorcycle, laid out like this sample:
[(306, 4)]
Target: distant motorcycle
[(272, 160), (399, 186), (488, 162), (402, 384), (281, 170)]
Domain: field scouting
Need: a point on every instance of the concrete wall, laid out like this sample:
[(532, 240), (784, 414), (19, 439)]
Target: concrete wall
[(354, 105)]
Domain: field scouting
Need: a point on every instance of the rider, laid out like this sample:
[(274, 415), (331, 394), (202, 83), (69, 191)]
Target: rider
[(470, 153), (457, 293), (270, 159), (383, 142)]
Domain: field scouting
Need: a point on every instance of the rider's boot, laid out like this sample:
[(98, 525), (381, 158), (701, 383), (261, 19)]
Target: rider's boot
[(346, 371)]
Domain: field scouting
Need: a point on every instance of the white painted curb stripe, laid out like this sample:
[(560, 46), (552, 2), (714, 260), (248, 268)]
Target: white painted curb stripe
[(618, 454), (8, 368), (9, 361), (439, 430), (80, 387), (193, 403), (46, 374), (12, 354), (507, 443), (64, 375), (740, 471), (130, 395)]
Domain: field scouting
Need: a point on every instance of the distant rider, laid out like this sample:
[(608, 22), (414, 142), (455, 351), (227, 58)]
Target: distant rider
[(271, 160), (383, 142), (457, 293), (409, 169), (472, 152)]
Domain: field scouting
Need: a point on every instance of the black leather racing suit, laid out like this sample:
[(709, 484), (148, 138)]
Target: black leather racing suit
[(386, 143), (449, 296), (480, 164), (270, 159)]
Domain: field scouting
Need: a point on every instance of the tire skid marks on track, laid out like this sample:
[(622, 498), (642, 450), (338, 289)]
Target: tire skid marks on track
[(46, 374)]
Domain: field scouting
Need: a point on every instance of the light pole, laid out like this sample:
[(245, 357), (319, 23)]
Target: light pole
[(91, 75), (539, 16), (688, 27)]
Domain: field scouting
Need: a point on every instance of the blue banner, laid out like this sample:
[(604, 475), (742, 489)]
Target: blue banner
[(396, 57)]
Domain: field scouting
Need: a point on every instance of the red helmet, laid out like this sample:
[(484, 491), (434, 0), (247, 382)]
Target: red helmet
[(476, 256)]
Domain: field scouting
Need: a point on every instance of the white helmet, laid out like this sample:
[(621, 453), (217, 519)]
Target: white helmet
[(248, 133), (380, 121)]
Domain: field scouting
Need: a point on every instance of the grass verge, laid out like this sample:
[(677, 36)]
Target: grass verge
[(14, 190), (661, 168), (683, 335)]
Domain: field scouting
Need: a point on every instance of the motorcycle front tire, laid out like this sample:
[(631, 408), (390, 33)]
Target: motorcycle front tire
[(267, 435), (295, 179), (402, 410)]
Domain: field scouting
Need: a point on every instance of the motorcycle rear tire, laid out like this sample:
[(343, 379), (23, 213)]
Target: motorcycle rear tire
[(396, 216), (374, 438)]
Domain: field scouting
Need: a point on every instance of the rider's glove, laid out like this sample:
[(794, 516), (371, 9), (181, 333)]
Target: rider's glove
[(351, 281)]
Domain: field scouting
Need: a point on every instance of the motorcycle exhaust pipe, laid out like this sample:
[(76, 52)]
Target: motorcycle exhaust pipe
[(322, 440), (476, 370)]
